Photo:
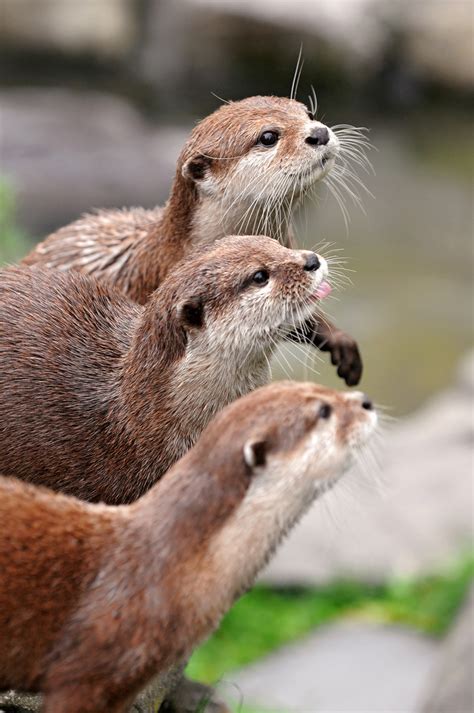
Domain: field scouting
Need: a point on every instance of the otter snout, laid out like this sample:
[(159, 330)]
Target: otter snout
[(317, 268), (357, 419), (367, 403), (319, 136), (312, 262)]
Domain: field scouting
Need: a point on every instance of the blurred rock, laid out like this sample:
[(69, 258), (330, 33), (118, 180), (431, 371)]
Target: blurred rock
[(422, 520), (66, 152), (361, 668), (170, 55), (451, 686), (438, 39), (106, 28), (433, 37), (354, 26)]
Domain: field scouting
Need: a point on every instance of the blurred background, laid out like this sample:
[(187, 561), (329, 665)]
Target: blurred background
[(96, 100)]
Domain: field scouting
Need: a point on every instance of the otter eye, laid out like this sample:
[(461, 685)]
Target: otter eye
[(268, 138), (261, 277), (325, 411)]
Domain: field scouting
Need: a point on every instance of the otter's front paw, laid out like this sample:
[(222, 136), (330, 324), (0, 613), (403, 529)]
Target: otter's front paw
[(344, 354)]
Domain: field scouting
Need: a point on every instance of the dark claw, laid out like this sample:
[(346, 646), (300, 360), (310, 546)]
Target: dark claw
[(347, 358)]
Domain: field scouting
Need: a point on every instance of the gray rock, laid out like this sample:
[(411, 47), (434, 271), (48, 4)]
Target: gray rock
[(418, 517), (66, 152), (451, 686), (344, 668), (437, 39), (436, 36)]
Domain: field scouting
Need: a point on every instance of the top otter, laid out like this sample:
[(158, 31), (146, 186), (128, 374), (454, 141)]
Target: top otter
[(243, 170)]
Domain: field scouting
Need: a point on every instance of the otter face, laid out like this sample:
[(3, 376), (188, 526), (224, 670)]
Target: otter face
[(294, 441), (313, 440), (247, 292), (261, 149)]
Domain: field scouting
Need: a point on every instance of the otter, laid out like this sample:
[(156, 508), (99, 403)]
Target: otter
[(99, 396), (94, 599), (244, 169)]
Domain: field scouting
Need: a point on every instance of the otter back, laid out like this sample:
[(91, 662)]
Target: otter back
[(62, 337)]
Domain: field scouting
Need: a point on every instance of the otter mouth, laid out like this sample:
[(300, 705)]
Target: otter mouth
[(323, 290), (318, 167), (327, 156)]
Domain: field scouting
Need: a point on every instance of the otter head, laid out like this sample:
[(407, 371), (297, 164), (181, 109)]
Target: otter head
[(260, 152), (236, 299), (229, 307), (285, 444), (310, 441)]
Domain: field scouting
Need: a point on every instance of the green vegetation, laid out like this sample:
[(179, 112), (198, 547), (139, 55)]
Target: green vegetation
[(267, 618), (13, 242)]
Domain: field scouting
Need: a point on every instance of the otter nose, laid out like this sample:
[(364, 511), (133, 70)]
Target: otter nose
[(367, 403), (312, 262), (318, 136)]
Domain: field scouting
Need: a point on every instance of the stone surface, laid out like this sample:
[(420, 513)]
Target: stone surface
[(415, 517), (66, 152), (438, 39), (451, 685), (345, 668), (435, 36)]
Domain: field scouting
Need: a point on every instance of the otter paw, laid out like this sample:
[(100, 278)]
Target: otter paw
[(346, 356)]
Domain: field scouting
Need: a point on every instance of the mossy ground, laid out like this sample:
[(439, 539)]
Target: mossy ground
[(266, 618)]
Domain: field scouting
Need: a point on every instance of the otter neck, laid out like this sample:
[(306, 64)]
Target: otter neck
[(168, 396), (213, 219), (197, 218), (220, 532), (191, 219), (186, 511), (166, 242)]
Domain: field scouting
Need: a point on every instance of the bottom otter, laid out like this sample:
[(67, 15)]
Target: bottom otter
[(94, 600)]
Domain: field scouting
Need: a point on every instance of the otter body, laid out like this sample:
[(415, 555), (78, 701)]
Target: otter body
[(100, 396), (244, 170), (95, 600)]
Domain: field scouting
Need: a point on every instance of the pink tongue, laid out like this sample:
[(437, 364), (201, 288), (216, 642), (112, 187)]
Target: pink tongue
[(323, 290)]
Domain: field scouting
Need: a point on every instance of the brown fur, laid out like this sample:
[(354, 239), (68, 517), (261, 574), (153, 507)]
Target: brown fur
[(134, 249), (92, 402), (95, 600)]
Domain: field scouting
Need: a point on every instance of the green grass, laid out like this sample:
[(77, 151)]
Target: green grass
[(266, 618), (13, 242)]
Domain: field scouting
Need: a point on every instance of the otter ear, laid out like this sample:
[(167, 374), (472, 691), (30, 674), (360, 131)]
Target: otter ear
[(191, 312), (196, 167), (255, 453)]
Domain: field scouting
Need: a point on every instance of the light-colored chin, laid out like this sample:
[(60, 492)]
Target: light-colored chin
[(320, 172)]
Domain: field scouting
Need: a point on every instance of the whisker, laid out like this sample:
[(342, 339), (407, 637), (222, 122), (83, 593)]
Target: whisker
[(297, 74)]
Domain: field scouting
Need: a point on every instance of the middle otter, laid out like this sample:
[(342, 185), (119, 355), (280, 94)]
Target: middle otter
[(100, 396), (244, 169)]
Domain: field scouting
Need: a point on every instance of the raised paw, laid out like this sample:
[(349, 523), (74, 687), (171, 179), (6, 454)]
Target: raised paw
[(344, 354)]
